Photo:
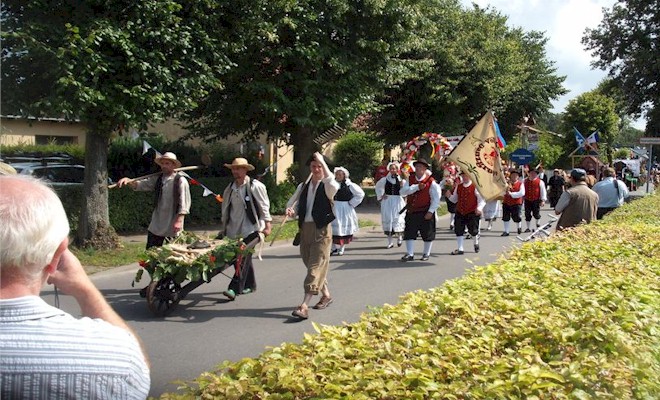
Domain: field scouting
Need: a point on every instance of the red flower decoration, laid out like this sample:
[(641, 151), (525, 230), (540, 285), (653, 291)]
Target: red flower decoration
[(143, 263), (212, 258)]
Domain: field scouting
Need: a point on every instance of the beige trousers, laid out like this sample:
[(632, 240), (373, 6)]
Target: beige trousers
[(315, 252)]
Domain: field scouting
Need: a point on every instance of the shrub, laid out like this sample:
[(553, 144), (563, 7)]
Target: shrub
[(359, 153), (574, 317)]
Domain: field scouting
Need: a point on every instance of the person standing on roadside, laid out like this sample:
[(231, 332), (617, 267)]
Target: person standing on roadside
[(556, 185), (388, 192), (469, 207), (46, 353), (423, 199), (611, 193), (345, 224), (245, 213), (312, 202), (577, 205), (535, 196), (172, 199)]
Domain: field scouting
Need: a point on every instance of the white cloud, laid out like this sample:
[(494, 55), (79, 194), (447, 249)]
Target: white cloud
[(564, 23)]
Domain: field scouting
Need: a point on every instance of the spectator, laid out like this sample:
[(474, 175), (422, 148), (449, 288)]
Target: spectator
[(47, 353), (556, 185), (611, 193), (578, 204)]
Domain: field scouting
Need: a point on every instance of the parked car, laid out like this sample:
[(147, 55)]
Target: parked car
[(56, 174)]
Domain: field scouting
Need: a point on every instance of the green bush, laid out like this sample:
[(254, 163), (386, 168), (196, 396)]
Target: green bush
[(359, 153), (574, 317), (74, 150)]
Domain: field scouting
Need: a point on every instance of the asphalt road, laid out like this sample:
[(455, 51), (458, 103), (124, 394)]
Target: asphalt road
[(206, 329)]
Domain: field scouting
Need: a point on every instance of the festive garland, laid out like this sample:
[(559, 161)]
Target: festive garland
[(440, 147)]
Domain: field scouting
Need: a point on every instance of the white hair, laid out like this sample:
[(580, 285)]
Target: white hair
[(33, 226)]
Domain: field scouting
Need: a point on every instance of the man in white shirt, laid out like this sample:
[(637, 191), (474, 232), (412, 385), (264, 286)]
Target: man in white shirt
[(611, 193), (45, 352)]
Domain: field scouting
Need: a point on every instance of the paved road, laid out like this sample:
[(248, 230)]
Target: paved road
[(205, 329)]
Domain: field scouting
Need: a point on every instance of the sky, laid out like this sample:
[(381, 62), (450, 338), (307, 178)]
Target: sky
[(564, 23)]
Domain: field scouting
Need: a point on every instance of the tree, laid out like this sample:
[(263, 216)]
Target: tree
[(626, 44), (359, 153), (111, 65), (475, 63), (305, 67), (589, 112)]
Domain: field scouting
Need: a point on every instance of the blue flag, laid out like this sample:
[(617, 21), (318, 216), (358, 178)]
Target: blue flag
[(579, 138)]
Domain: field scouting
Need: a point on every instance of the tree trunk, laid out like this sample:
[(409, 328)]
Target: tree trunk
[(304, 147), (94, 229)]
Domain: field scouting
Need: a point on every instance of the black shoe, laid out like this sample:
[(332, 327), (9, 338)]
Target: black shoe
[(519, 231), (468, 237), (476, 248), (505, 234), (527, 230), (407, 258), (334, 252), (425, 257)]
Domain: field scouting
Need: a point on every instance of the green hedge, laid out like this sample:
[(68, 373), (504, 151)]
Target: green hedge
[(130, 211), (574, 317)]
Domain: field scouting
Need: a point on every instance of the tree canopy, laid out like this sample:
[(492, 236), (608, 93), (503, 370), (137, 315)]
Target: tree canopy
[(626, 44), (111, 65)]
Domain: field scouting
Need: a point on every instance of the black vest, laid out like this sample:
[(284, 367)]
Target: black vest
[(344, 193), (321, 210), (392, 189), (176, 192)]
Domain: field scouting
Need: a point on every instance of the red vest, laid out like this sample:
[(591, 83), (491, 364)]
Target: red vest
[(467, 200), (510, 201), (533, 189), (420, 201)]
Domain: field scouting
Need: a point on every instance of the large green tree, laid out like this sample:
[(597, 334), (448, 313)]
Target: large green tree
[(305, 67), (589, 112), (110, 64), (626, 44), (476, 63)]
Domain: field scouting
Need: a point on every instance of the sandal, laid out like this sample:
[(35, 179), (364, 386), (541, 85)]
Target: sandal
[(323, 303), (300, 313), (457, 252)]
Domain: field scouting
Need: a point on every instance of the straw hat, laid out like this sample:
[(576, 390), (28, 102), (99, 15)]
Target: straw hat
[(240, 162), (168, 156)]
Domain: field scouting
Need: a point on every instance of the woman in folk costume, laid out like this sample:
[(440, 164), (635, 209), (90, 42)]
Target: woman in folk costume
[(348, 197), (491, 210), (391, 204)]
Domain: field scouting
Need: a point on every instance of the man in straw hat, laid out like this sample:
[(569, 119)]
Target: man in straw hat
[(172, 201), (423, 199), (245, 211)]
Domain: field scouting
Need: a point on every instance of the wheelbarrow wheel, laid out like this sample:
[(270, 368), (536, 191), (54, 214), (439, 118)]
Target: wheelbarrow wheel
[(163, 296)]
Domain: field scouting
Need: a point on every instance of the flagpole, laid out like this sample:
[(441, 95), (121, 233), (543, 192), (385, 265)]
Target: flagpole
[(139, 178)]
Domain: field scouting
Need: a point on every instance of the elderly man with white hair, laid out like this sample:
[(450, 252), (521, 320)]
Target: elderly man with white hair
[(47, 353)]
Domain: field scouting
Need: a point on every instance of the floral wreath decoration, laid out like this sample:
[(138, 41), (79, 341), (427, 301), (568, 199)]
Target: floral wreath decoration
[(439, 144)]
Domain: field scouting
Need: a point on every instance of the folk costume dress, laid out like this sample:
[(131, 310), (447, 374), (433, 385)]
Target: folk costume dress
[(393, 220), (349, 196)]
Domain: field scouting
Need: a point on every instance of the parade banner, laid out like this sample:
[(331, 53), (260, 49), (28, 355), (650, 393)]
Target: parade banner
[(478, 155)]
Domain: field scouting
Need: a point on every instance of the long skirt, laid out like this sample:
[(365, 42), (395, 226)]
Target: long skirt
[(345, 224), (392, 219)]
